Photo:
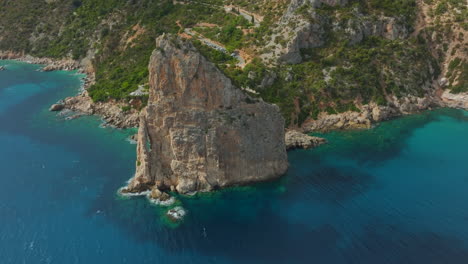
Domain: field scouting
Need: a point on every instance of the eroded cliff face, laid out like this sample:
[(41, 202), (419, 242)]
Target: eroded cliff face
[(199, 132)]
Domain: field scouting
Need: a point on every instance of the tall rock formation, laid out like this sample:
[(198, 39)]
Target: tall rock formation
[(199, 132)]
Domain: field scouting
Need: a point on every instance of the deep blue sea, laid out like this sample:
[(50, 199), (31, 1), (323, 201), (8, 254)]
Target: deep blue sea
[(394, 194)]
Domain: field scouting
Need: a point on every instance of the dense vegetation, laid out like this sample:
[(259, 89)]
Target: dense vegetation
[(121, 33), (25, 20), (339, 76), (336, 77), (231, 34)]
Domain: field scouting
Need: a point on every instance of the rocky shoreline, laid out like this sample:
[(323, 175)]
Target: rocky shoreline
[(50, 64), (112, 112), (455, 100), (372, 114), (297, 140)]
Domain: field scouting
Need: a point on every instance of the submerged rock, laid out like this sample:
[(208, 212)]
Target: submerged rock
[(199, 132), (176, 213), (298, 140)]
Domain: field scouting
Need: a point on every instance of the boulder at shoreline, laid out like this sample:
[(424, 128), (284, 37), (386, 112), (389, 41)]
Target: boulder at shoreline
[(56, 107)]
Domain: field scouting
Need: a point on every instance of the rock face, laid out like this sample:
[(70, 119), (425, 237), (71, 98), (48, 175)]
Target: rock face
[(455, 100), (199, 132), (297, 140)]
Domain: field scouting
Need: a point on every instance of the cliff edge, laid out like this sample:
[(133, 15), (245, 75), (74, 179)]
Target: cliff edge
[(199, 132)]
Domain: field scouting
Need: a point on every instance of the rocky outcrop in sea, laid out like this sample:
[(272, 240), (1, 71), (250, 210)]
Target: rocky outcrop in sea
[(56, 107), (297, 140), (199, 132)]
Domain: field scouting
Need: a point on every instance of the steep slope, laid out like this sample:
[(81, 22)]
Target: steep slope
[(28, 26), (312, 58), (445, 25), (199, 132)]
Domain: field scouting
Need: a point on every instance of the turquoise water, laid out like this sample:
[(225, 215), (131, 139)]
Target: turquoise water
[(393, 194)]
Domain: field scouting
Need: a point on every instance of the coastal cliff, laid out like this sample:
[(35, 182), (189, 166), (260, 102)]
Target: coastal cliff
[(327, 64), (199, 132), (214, 114)]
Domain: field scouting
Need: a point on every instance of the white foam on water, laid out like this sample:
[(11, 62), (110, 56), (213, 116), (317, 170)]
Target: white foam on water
[(131, 141), (132, 194), (177, 212), (169, 202)]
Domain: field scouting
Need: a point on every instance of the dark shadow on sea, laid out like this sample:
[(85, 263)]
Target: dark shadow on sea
[(245, 225)]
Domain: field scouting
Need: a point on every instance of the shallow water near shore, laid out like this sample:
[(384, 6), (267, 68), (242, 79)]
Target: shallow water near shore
[(393, 194)]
